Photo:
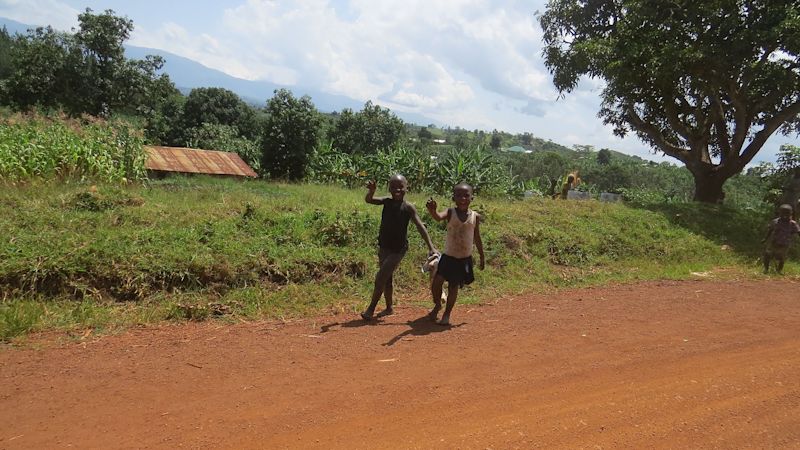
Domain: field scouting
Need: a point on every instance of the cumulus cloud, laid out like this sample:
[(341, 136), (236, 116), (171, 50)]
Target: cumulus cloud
[(533, 108), (467, 63), (40, 13), (371, 49), (204, 48)]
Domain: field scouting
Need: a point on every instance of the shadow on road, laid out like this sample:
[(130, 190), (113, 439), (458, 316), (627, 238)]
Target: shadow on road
[(355, 323), (417, 327), (421, 327)]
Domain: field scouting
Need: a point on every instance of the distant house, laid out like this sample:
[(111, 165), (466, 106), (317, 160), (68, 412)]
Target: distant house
[(163, 160), (517, 149), (439, 141)]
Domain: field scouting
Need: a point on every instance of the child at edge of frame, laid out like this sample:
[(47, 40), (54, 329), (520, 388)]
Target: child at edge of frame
[(456, 263), (779, 236), (392, 239)]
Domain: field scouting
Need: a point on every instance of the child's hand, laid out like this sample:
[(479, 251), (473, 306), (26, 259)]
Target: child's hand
[(371, 185), (431, 204)]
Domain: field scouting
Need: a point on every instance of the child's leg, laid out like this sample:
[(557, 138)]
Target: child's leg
[(779, 265), (388, 263), (767, 259), (452, 295), (388, 291), (436, 292)]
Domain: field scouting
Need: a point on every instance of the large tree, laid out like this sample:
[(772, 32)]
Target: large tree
[(367, 131), (706, 82), (38, 73), (6, 43), (220, 107), (104, 69), (290, 135), (85, 72)]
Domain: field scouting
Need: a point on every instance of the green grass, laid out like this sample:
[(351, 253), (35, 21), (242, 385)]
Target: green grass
[(74, 257)]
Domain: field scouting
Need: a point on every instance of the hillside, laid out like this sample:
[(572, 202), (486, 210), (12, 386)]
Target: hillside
[(190, 248)]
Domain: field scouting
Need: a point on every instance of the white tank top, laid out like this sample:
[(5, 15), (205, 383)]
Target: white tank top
[(460, 235)]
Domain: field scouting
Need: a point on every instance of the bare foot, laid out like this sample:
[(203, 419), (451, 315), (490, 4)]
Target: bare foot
[(385, 312), (434, 312)]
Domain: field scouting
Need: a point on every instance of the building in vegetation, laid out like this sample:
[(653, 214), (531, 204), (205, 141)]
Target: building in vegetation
[(165, 160), (517, 149)]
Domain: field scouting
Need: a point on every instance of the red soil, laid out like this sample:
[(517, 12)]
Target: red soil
[(657, 365)]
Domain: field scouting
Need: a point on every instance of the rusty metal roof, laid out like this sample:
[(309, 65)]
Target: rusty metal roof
[(189, 160)]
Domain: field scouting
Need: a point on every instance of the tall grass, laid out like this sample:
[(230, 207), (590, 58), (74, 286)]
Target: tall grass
[(33, 146)]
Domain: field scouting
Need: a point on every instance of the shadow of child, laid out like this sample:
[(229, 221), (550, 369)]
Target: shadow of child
[(421, 327)]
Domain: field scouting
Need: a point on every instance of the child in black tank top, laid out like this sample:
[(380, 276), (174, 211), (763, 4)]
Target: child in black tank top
[(392, 239)]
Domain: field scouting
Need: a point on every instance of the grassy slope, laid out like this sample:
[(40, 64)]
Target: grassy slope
[(72, 257)]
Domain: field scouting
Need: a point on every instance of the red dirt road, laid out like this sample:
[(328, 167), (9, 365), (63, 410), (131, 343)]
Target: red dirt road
[(658, 365)]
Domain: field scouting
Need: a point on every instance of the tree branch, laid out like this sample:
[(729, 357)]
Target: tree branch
[(770, 127), (656, 135), (741, 116), (721, 127), (704, 122), (675, 121), (747, 77)]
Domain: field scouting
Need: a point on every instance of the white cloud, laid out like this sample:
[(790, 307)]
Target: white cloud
[(205, 49), (467, 63), (454, 47), (40, 13)]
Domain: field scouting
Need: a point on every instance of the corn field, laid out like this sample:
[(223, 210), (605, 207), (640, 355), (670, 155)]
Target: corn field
[(424, 172), (39, 147)]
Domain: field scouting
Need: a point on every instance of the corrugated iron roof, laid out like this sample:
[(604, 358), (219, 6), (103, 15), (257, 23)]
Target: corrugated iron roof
[(189, 160)]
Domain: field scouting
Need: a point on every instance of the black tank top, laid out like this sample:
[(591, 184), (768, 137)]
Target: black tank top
[(393, 234)]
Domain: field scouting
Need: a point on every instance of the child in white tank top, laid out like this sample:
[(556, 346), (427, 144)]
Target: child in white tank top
[(456, 265)]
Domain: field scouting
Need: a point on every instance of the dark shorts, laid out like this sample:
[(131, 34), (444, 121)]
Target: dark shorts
[(777, 251), (456, 270), (388, 260)]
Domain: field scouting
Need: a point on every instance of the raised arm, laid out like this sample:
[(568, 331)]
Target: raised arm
[(438, 216), (422, 230), (478, 242), (369, 198)]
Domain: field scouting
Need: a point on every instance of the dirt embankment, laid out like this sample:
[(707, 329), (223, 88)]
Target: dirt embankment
[(657, 365)]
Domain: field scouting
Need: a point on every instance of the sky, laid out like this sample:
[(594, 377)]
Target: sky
[(475, 64)]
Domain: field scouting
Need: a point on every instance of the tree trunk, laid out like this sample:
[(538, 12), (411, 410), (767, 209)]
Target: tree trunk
[(708, 186)]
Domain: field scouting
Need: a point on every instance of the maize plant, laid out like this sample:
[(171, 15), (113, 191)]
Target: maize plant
[(34, 146), (424, 173), (476, 167)]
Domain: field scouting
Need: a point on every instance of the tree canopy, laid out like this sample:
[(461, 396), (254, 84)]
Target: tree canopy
[(219, 106), (706, 82), (83, 73), (367, 131), (290, 135)]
